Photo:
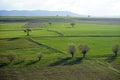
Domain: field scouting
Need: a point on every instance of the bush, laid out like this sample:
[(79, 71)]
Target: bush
[(72, 24), (11, 57), (50, 23), (115, 49), (84, 49), (71, 49)]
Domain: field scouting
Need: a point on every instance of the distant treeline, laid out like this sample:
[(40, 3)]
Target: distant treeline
[(39, 19), (115, 21)]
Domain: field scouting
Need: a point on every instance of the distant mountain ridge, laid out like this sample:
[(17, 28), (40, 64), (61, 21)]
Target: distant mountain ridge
[(36, 13)]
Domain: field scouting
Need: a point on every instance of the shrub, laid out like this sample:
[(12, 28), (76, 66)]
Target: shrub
[(39, 56), (72, 24), (50, 23), (11, 57), (115, 49), (71, 49), (84, 49)]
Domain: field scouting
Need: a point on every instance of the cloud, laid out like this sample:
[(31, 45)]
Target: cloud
[(87, 7)]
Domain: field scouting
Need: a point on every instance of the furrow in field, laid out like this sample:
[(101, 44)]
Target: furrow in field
[(29, 39), (60, 34), (73, 36), (109, 66)]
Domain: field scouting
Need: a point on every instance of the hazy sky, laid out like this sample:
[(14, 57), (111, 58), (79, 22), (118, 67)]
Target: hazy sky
[(85, 7)]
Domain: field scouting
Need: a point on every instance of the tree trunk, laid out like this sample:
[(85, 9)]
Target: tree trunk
[(72, 55), (39, 58), (116, 54), (27, 33), (83, 55)]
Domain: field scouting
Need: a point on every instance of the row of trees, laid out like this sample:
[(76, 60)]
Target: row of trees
[(71, 49), (72, 24), (12, 57), (84, 49)]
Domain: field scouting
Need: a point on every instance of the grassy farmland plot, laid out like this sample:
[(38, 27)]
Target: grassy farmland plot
[(99, 46), (52, 41), (81, 29)]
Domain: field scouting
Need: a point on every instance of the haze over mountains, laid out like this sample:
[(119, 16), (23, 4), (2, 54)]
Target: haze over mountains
[(36, 13)]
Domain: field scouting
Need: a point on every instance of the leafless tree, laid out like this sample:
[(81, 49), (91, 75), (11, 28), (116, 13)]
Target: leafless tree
[(39, 56), (71, 49), (115, 49), (84, 49)]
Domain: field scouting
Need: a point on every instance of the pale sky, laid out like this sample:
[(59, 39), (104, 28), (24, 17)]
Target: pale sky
[(84, 7)]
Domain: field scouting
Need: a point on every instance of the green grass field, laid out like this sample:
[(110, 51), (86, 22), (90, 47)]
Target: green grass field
[(52, 42)]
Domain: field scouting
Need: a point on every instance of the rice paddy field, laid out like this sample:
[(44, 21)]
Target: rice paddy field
[(51, 38)]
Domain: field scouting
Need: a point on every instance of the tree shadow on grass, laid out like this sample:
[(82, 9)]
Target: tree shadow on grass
[(19, 62), (76, 61), (4, 64), (32, 62), (11, 39), (65, 61), (59, 62), (111, 58)]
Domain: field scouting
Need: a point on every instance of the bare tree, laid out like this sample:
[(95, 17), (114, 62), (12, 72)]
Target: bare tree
[(27, 30), (84, 49), (39, 56), (115, 49), (72, 24), (71, 49)]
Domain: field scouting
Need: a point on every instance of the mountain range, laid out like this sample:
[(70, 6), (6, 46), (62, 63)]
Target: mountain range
[(36, 13)]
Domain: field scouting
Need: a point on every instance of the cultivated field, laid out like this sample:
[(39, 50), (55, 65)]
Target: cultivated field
[(48, 40)]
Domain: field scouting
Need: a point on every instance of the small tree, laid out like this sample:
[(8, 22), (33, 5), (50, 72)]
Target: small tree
[(115, 49), (27, 30), (72, 24), (11, 57), (84, 49), (39, 56), (50, 23), (88, 16), (71, 49)]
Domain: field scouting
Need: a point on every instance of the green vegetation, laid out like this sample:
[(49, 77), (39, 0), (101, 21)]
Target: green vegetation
[(44, 54), (72, 24), (27, 31)]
